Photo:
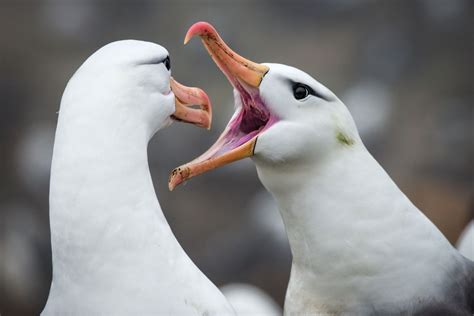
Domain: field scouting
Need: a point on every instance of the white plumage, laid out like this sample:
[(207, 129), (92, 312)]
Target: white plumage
[(359, 245), (465, 243), (248, 300), (113, 250)]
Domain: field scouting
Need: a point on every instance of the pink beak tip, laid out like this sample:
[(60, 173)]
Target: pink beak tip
[(199, 28)]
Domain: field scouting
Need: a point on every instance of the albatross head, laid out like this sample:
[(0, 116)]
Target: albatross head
[(129, 83), (283, 115)]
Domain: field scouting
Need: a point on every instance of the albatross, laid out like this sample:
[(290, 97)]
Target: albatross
[(113, 251), (359, 245)]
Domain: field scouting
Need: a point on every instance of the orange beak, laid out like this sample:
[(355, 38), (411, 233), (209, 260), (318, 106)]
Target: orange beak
[(185, 98), (240, 136), (234, 66)]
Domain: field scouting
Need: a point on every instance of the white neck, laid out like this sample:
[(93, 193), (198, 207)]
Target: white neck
[(111, 244), (105, 218), (352, 232)]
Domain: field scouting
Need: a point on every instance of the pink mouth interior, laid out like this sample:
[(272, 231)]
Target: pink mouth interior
[(252, 119)]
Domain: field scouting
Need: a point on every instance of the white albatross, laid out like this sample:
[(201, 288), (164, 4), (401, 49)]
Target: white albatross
[(359, 246), (113, 251)]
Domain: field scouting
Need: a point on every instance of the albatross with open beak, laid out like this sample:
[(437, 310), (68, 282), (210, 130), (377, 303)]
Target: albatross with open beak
[(113, 251), (359, 246)]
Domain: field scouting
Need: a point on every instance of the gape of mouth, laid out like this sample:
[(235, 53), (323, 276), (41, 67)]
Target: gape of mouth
[(252, 118)]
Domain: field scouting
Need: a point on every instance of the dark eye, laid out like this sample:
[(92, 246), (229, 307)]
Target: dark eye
[(167, 62), (300, 91)]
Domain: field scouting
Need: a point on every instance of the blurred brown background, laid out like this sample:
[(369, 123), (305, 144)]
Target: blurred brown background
[(404, 68)]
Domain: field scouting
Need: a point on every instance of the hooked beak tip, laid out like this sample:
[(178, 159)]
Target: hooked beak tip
[(200, 29), (187, 39), (185, 98)]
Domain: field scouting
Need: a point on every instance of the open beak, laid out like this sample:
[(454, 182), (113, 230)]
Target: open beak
[(185, 98), (252, 118)]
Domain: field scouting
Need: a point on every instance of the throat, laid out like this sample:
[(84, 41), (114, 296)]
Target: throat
[(106, 221), (352, 231)]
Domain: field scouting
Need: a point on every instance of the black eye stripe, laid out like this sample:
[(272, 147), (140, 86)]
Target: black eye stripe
[(167, 62), (310, 91)]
